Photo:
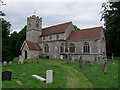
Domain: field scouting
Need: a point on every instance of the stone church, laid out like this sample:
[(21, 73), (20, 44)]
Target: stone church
[(57, 41)]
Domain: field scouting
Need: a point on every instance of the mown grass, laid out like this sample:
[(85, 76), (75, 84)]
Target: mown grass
[(0, 75), (65, 75), (24, 72), (95, 74)]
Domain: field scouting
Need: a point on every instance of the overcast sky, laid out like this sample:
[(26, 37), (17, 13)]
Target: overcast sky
[(83, 13)]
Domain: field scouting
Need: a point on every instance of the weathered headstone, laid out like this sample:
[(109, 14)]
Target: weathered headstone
[(80, 62), (49, 76), (10, 63), (68, 58), (61, 57), (4, 63), (6, 76), (20, 61), (112, 56), (105, 68), (72, 59)]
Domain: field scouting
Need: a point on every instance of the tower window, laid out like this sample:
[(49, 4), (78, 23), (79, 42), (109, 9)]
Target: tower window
[(37, 25), (29, 24)]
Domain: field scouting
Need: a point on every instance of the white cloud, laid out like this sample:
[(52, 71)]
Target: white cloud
[(82, 14), (55, 0)]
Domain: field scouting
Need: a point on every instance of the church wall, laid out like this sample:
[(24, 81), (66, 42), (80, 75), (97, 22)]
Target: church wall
[(30, 53), (33, 36), (54, 37), (54, 49), (68, 31), (33, 54), (23, 50), (79, 49)]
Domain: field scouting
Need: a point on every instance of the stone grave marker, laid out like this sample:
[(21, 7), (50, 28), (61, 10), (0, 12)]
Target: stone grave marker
[(20, 61), (6, 76), (5, 63), (112, 56), (49, 76), (73, 59), (80, 62), (10, 63)]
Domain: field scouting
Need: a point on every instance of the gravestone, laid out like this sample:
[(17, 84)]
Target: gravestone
[(89, 63), (20, 61), (105, 68), (112, 56), (72, 59), (6, 76), (49, 76), (5, 63), (80, 62), (10, 63)]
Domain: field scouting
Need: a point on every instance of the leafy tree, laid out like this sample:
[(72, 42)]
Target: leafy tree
[(111, 17), (76, 28), (17, 40), (7, 55)]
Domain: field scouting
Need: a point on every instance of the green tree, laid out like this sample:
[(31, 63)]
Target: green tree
[(76, 28), (16, 41), (111, 17), (7, 55)]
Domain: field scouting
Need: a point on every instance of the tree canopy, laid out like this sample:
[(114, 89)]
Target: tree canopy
[(11, 43), (111, 17), (76, 28), (7, 55)]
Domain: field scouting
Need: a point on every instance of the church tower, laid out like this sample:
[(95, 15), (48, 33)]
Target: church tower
[(34, 29)]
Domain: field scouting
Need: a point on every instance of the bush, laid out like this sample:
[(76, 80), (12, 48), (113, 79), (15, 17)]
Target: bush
[(41, 56), (7, 55)]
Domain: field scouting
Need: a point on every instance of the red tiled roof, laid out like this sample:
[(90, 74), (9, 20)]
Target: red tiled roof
[(33, 45), (85, 33), (55, 29)]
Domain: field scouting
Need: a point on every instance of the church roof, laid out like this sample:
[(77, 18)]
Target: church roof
[(56, 29), (88, 33), (33, 45)]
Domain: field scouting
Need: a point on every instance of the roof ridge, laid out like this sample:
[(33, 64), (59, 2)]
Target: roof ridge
[(57, 25), (31, 41), (91, 28)]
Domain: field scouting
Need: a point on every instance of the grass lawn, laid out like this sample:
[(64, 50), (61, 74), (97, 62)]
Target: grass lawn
[(95, 74), (64, 75), (0, 76)]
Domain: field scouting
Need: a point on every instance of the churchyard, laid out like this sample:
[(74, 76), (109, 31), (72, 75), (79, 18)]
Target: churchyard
[(64, 75)]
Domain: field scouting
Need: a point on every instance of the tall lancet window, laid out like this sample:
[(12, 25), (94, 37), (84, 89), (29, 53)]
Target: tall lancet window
[(72, 48), (62, 47), (46, 48), (37, 25), (86, 47)]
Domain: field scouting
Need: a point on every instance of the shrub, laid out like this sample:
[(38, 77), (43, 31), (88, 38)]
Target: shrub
[(41, 56)]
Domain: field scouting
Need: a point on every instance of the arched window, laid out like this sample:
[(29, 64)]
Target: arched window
[(46, 48), (72, 48), (29, 24), (50, 37), (86, 47), (62, 48), (37, 25), (57, 36)]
